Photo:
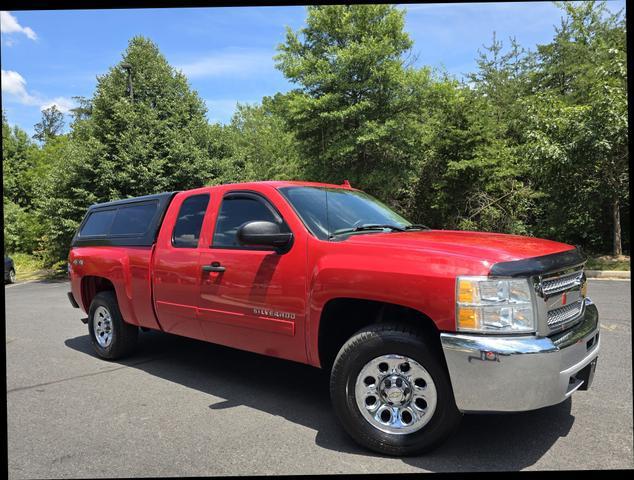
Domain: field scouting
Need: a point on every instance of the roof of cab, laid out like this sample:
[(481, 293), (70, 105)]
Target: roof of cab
[(284, 183), (169, 195)]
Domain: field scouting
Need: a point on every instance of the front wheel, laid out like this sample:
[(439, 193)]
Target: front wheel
[(12, 276), (391, 392), (111, 337)]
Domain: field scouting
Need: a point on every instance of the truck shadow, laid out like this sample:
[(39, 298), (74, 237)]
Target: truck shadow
[(300, 394)]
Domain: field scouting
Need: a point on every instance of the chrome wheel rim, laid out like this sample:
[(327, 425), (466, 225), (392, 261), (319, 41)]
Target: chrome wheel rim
[(12, 276), (102, 325), (395, 394)]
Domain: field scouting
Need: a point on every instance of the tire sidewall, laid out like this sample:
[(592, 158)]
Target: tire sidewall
[(384, 343), (103, 301)]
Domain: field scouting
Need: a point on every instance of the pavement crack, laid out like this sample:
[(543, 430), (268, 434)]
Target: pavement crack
[(29, 387)]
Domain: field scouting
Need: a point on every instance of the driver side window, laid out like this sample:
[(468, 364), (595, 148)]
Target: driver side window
[(235, 211)]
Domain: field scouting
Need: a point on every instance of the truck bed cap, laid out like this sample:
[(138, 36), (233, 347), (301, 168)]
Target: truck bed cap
[(124, 239)]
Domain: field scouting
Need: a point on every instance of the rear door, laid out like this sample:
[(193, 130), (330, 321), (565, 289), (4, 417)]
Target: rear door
[(176, 274), (256, 300)]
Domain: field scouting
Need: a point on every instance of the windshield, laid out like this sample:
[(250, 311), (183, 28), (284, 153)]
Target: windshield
[(328, 211)]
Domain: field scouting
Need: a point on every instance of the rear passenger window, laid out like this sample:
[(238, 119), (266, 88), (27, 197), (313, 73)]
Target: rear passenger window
[(98, 223), (236, 211), (133, 220), (189, 222)]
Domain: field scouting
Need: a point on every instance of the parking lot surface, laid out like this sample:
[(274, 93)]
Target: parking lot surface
[(182, 407)]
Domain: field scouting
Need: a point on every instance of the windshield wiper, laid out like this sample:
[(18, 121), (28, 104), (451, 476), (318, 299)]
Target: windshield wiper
[(394, 228), (417, 226)]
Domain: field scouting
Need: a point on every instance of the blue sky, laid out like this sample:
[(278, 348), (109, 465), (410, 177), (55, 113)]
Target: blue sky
[(50, 56)]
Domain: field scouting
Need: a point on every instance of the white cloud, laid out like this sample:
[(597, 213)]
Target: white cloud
[(63, 104), (12, 82), (9, 24), (14, 85), (228, 64)]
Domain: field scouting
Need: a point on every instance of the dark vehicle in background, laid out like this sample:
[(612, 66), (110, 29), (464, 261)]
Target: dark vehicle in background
[(9, 270)]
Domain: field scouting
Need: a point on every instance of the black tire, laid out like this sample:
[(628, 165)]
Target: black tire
[(383, 339), (124, 335)]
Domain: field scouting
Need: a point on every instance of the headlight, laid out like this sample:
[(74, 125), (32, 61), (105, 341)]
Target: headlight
[(494, 306)]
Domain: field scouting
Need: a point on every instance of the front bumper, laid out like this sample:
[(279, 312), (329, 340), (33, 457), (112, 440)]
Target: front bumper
[(512, 374)]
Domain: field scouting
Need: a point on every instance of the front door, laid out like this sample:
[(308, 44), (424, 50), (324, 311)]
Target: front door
[(253, 298)]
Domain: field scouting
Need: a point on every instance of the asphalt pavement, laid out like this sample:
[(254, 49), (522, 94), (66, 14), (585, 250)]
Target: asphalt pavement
[(182, 407)]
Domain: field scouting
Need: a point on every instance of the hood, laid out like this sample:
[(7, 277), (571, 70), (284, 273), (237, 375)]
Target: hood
[(483, 246)]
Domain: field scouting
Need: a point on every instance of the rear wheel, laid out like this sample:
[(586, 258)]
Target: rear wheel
[(391, 392), (111, 337), (12, 276)]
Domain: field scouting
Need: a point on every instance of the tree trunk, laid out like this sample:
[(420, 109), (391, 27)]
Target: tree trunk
[(616, 219)]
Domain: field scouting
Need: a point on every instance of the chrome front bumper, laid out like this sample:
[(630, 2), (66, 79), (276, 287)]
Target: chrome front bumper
[(512, 374)]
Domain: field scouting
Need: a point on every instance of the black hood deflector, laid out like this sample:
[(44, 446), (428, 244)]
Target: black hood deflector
[(539, 265)]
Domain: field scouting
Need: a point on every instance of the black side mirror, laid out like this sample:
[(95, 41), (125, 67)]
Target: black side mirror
[(264, 234)]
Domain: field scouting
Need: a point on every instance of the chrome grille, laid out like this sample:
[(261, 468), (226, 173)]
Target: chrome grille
[(561, 283), (560, 316), (560, 298)]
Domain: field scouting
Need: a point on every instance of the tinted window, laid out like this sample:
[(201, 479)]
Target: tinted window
[(236, 211), (98, 223), (133, 220), (327, 210), (189, 222)]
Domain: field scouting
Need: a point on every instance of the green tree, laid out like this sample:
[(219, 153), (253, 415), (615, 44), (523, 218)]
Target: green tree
[(50, 126), (21, 163), (501, 79), (22, 228), (153, 138), (533, 142), (355, 112), (129, 142), (262, 143), (583, 74), (470, 173), (19, 155), (82, 111), (494, 176), (555, 149)]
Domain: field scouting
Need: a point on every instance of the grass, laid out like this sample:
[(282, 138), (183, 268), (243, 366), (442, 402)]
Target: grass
[(608, 262), (29, 267)]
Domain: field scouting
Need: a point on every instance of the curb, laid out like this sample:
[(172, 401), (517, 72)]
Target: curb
[(17, 284), (26, 282), (608, 274)]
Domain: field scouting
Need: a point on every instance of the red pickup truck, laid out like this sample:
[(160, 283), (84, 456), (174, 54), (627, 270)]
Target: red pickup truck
[(416, 326)]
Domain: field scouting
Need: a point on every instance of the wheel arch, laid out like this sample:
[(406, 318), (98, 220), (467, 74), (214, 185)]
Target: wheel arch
[(91, 285), (342, 317)]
